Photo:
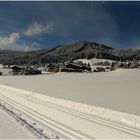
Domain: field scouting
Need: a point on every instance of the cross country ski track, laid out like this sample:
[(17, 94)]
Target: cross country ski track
[(11, 95)]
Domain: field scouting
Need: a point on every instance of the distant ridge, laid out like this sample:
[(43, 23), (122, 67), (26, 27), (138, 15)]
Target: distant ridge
[(72, 51)]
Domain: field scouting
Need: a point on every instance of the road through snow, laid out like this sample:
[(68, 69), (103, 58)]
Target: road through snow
[(67, 119)]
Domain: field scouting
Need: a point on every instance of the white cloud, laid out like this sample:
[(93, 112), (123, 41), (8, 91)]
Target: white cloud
[(7, 41), (38, 28), (11, 43)]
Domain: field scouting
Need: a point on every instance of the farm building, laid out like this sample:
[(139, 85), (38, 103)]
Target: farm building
[(78, 68), (70, 70), (52, 68), (17, 70), (31, 71)]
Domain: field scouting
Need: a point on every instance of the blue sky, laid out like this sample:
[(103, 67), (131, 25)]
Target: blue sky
[(39, 25)]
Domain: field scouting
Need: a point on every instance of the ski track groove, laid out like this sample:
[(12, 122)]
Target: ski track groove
[(48, 122), (75, 113)]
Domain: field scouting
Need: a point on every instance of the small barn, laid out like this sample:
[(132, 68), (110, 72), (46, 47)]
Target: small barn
[(132, 64), (52, 68), (85, 68), (73, 66), (78, 68), (70, 70), (17, 70), (31, 71)]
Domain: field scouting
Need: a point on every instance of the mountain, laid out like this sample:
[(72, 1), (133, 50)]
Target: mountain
[(65, 52)]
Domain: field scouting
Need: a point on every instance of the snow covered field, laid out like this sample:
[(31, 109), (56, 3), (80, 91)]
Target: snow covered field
[(117, 90), (101, 97)]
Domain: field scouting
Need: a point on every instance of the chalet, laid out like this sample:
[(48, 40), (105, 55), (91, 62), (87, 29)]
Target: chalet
[(73, 66), (17, 70), (70, 70), (86, 68), (114, 66), (132, 64), (77, 68), (31, 71), (52, 68)]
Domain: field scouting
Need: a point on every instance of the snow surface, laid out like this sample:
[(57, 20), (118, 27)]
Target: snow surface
[(67, 119), (94, 60), (117, 90), (10, 129)]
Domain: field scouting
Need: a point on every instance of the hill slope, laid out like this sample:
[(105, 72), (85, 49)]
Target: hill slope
[(62, 53)]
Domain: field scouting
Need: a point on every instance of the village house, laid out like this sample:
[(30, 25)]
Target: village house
[(17, 70), (86, 68), (128, 65), (114, 66), (64, 69), (52, 68), (74, 67), (132, 64), (31, 71)]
